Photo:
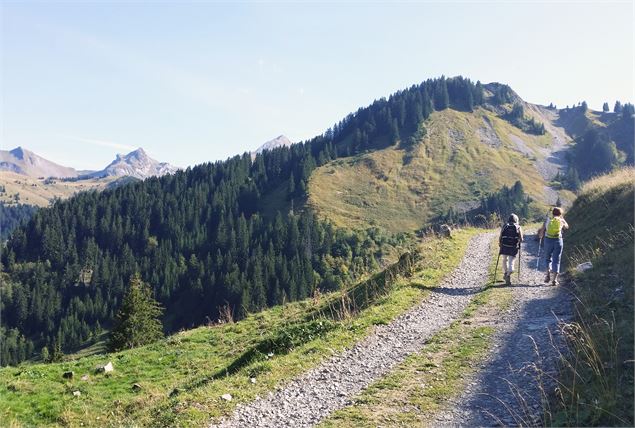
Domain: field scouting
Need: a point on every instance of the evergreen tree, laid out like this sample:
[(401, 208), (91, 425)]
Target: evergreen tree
[(605, 107), (584, 107), (618, 107), (137, 322)]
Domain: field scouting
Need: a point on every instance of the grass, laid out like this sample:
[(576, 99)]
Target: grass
[(420, 386), (400, 189), (35, 191), (595, 384), (176, 375)]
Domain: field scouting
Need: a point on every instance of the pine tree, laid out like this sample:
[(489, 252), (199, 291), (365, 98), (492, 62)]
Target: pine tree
[(137, 322), (605, 107), (618, 107)]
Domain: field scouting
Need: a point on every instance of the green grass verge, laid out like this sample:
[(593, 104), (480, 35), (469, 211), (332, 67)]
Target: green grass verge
[(176, 375), (596, 377), (421, 385)]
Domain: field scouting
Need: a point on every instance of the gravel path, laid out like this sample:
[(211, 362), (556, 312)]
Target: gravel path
[(505, 390), (553, 159), (314, 395)]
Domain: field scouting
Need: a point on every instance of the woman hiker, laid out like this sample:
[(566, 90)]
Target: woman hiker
[(553, 244), (509, 242)]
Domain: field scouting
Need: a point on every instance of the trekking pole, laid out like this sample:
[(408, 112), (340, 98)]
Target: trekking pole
[(496, 268), (520, 251), (538, 257)]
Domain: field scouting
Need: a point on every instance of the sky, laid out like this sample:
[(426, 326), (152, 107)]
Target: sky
[(192, 82)]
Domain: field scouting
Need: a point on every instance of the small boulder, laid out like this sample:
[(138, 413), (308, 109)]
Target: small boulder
[(252, 380), (85, 377), (446, 231), (106, 369), (77, 393), (68, 375), (226, 397), (136, 387), (584, 266)]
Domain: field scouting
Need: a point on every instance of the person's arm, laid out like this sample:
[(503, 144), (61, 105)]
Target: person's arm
[(522, 236), (565, 225)]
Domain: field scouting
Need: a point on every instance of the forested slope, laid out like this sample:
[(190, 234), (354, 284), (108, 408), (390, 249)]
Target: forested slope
[(203, 238)]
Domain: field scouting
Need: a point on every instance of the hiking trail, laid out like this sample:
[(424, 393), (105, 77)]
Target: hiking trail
[(506, 389), (314, 395)]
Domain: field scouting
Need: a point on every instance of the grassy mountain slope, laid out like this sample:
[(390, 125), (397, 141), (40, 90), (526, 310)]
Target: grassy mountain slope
[(462, 157), (176, 375), (40, 192), (597, 377)]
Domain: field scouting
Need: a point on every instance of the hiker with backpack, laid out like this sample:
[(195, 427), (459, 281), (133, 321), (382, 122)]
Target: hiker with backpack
[(553, 244), (509, 243)]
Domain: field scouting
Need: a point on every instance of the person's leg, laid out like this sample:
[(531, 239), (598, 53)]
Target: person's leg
[(510, 268), (510, 265), (548, 251), (557, 253)]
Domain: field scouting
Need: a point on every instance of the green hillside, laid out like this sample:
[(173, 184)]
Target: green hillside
[(597, 377), (182, 378), (454, 160)]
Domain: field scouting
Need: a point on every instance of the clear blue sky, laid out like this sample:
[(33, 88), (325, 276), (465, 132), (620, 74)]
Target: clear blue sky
[(203, 81)]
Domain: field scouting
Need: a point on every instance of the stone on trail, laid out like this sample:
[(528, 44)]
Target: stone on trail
[(136, 387), (85, 377), (252, 380), (77, 393), (584, 266), (226, 397)]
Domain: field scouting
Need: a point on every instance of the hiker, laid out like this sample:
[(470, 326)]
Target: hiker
[(553, 244), (509, 242)]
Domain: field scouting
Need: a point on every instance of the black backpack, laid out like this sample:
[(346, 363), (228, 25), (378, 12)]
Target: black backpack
[(510, 235)]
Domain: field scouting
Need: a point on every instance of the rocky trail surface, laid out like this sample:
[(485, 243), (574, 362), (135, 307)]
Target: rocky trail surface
[(502, 392), (507, 390), (308, 399)]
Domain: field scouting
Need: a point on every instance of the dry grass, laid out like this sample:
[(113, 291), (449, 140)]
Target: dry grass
[(457, 163), (620, 177), (40, 192)]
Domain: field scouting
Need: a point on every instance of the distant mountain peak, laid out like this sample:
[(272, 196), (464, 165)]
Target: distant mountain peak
[(137, 164), (25, 162), (279, 141)]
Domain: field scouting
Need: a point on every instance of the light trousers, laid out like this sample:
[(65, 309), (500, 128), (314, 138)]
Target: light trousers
[(508, 263)]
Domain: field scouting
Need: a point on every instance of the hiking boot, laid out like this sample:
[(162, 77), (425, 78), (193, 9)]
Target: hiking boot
[(508, 278), (554, 281), (548, 277)]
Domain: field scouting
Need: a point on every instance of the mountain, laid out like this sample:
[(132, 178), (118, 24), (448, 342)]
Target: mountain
[(25, 162), (240, 235), (279, 141), (135, 164), (30, 179)]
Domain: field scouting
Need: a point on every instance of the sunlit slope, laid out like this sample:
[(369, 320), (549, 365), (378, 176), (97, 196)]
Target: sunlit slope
[(462, 157), (18, 188)]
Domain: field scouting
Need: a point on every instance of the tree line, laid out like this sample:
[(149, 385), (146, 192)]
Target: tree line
[(203, 238)]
